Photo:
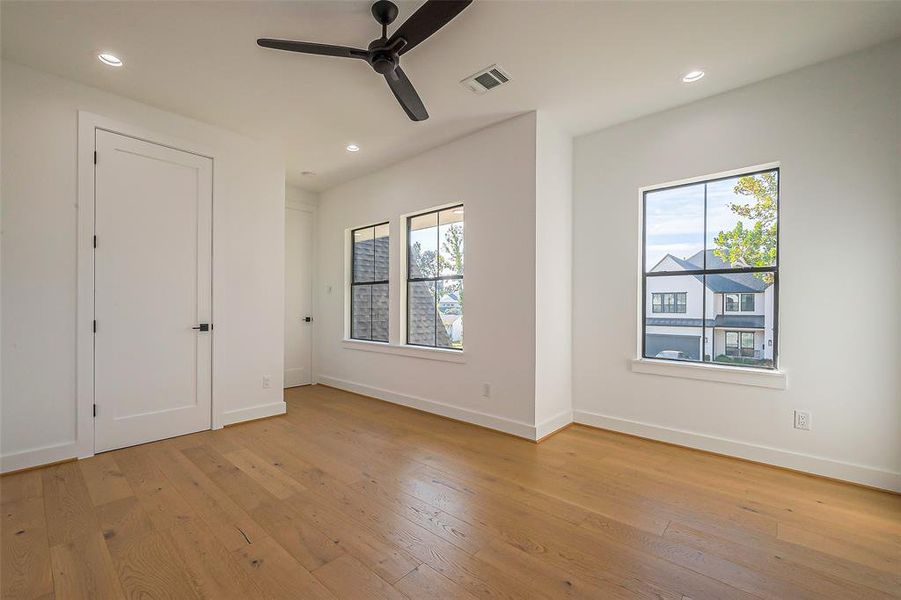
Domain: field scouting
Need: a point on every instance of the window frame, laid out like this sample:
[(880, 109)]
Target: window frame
[(740, 347), (675, 303), (408, 220), (703, 272), (353, 254), (740, 304)]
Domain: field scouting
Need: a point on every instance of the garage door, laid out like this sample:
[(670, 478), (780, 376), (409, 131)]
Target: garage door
[(689, 344)]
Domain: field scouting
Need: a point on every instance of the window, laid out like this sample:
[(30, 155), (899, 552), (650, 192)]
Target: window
[(732, 302), (669, 302), (740, 343), (369, 283), (717, 239), (435, 279), (747, 302)]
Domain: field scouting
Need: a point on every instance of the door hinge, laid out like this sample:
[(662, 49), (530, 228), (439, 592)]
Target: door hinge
[(95, 410), (95, 241), (95, 325), (95, 157)]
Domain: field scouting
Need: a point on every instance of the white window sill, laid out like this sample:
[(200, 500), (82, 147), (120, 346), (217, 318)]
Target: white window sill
[(440, 354), (767, 378)]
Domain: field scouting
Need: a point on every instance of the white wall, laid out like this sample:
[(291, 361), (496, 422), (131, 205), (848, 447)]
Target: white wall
[(834, 128), (493, 173), (553, 277), (39, 119), (298, 197)]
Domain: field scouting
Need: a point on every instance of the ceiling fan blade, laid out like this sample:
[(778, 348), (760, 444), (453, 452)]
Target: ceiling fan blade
[(406, 95), (431, 16), (311, 48)]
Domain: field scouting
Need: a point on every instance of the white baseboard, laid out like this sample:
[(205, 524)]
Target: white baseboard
[(253, 412), (558, 421), (807, 463), (39, 456), (517, 428)]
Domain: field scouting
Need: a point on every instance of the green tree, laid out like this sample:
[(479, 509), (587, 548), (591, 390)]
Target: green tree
[(451, 259), (423, 262), (754, 245)]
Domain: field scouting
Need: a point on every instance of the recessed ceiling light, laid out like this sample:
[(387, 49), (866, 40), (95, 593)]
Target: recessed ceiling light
[(692, 76), (353, 148), (110, 59)]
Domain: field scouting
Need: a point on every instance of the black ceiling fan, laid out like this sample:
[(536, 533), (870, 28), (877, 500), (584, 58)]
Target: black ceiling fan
[(383, 54)]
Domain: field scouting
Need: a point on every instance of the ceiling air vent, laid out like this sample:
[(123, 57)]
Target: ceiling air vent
[(486, 79)]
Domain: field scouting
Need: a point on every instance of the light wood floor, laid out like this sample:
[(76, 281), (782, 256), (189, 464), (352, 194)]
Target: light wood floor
[(350, 497)]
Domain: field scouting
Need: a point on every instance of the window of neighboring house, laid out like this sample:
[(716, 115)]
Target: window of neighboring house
[(740, 343), (732, 302), (435, 278), (369, 283), (709, 238), (669, 302)]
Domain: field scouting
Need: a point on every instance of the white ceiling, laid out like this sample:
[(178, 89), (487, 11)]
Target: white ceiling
[(588, 64)]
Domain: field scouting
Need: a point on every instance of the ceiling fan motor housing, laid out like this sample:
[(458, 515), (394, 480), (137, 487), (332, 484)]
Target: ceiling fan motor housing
[(382, 59)]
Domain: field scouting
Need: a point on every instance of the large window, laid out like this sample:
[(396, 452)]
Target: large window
[(669, 302), (717, 240), (369, 283), (435, 278)]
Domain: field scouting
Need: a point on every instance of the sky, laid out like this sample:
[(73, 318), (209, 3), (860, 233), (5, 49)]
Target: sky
[(675, 218)]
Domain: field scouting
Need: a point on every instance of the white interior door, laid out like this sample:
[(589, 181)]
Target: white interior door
[(152, 286), (298, 297)]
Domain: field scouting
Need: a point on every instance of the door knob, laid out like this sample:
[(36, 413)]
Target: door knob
[(307, 319), (202, 327)]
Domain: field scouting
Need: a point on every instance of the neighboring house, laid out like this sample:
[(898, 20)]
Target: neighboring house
[(738, 311), (451, 312), (370, 302)]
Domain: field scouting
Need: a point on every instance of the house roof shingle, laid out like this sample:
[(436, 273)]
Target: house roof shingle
[(733, 283)]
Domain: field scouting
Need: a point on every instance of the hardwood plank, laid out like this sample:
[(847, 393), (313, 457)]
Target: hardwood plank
[(83, 568), (150, 567), (864, 553), (818, 574), (123, 522), (212, 570), (25, 569), (268, 475), (228, 522), (347, 577), (309, 546), (245, 491), (104, 479), (276, 573), (67, 504), (387, 560), (162, 503), (425, 582)]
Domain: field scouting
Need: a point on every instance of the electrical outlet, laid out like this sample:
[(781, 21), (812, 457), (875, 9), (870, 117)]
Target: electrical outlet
[(486, 390), (267, 382), (802, 420)]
